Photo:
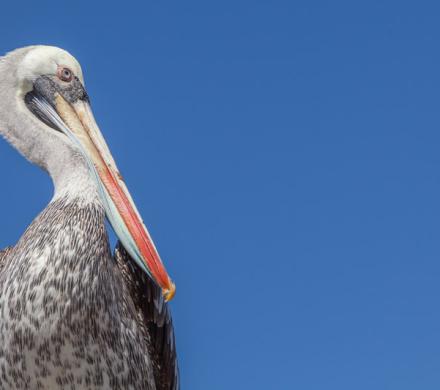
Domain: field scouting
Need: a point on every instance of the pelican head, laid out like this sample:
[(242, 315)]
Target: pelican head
[(45, 113)]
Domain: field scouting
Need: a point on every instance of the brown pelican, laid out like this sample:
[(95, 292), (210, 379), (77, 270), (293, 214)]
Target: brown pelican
[(72, 315)]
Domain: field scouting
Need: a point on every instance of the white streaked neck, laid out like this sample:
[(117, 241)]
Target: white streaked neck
[(72, 180)]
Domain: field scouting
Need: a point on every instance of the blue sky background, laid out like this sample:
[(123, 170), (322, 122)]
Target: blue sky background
[(286, 158)]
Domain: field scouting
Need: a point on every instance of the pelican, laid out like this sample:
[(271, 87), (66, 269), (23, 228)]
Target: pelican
[(72, 314)]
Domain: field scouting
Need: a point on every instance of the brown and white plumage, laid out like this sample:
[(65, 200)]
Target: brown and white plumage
[(72, 314)]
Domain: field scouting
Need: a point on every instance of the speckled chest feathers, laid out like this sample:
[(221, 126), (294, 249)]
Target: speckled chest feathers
[(65, 321)]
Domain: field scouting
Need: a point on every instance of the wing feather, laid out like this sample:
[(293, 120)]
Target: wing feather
[(154, 319)]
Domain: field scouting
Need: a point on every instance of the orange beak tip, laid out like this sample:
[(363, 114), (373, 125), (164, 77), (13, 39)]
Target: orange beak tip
[(169, 293)]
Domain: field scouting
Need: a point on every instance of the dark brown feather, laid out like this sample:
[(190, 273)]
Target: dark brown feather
[(3, 254), (154, 318)]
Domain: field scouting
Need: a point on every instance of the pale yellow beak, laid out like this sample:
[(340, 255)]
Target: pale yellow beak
[(120, 208)]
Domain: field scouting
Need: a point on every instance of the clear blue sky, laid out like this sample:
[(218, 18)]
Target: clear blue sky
[(286, 158)]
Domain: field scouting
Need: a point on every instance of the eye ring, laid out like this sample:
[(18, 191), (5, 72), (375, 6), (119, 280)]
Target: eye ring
[(65, 74)]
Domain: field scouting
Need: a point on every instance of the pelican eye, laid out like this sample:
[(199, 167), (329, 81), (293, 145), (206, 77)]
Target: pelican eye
[(65, 74)]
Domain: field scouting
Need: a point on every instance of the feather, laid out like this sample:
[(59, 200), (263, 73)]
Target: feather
[(154, 318)]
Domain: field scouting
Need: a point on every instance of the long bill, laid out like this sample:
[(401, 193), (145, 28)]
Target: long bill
[(77, 122)]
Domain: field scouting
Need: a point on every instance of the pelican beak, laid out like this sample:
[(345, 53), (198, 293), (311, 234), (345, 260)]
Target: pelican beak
[(120, 208)]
